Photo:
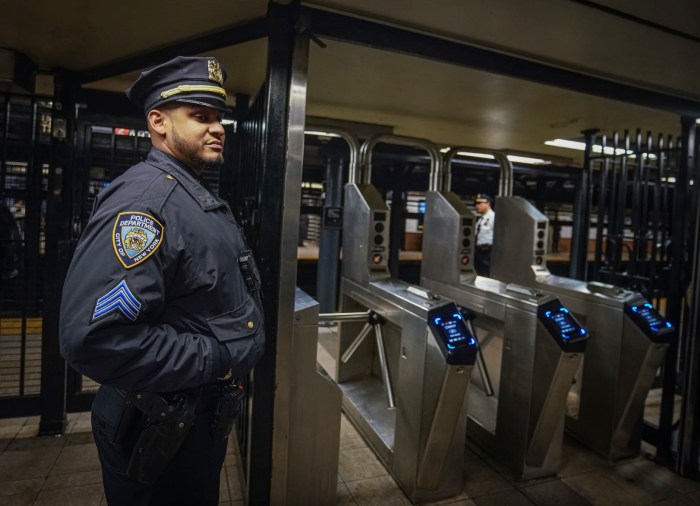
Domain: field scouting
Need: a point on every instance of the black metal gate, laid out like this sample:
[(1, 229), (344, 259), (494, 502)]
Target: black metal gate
[(645, 200), (25, 156)]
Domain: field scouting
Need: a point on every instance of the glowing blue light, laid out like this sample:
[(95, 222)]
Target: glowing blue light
[(548, 314), (563, 310), (654, 329), (668, 325), (457, 315), (583, 332), (648, 305), (450, 346), (634, 308), (472, 342), (437, 320), (565, 336)]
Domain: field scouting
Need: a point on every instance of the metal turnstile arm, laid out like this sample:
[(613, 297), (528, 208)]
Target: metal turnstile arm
[(481, 365), (374, 322), (384, 367)]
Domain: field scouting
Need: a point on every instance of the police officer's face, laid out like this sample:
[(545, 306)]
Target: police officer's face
[(196, 136), (482, 207)]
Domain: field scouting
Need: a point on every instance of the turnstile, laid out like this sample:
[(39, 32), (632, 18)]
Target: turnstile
[(306, 437), (628, 336), (406, 391), (534, 340)]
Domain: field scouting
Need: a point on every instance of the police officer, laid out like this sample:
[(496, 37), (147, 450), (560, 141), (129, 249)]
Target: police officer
[(161, 303), (484, 234)]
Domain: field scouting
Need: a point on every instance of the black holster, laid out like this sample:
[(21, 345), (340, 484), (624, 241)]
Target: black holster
[(166, 428), (227, 409)]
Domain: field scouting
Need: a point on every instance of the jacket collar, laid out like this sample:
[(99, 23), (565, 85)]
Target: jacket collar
[(185, 176)]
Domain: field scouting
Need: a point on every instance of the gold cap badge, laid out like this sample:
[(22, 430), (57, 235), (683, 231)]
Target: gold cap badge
[(251, 325), (215, 73)]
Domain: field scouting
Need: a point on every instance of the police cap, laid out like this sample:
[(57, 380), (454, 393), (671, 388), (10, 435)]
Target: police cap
[(192, 79), (482, 198)]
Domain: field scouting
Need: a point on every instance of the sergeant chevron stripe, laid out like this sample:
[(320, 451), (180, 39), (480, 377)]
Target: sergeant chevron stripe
[(118, 299)]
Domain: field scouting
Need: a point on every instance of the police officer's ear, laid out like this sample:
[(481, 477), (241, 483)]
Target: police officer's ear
[(157, 119)]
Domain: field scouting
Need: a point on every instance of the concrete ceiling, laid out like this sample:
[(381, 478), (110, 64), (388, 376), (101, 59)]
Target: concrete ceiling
[(640, 43)]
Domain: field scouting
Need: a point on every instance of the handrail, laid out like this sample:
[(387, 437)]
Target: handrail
[(505, 182), (430, 147), (353, 144)]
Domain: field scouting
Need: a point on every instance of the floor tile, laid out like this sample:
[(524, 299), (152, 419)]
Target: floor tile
[(505, 497), (20, 492), (660, 473), (481, 479), (601, 487), (233, 479), (77, 458), (74, 479), (224, 494), (24, 464), (676, 501), (379, 491), (360, 464), (344, 497), (644, 478), (459, 501), (88, 495), (553, 492), (577, 459)]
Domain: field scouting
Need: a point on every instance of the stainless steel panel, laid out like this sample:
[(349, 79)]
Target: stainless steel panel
[(442, 259), (620, 362), (361, 202), (515, 257), (453, 396), (307, 419), (416, 367)]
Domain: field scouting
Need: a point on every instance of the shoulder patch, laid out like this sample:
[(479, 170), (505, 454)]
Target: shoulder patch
[(135, 237)]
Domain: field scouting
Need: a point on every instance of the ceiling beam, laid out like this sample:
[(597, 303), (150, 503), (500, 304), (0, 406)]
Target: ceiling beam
[(231, 36), (391, 38)]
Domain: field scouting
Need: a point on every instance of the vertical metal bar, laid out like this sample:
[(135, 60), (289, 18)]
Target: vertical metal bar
[(635, 221), (5, 135), (582, 213), (689, 429), (397, 223), (621, 210), (602, 210), (384, 366), (329, 247), (280, 200), (664, 453), (58, 252), (664, 198), (655, 216)]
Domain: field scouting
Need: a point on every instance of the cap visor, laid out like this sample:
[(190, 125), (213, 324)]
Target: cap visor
[(215, 104)]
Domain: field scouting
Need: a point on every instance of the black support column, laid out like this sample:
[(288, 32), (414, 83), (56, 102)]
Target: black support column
[(57, 254), (283, 146), (689, 345)]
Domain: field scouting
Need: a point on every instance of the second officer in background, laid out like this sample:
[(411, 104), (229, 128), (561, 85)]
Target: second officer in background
[(484, 234)]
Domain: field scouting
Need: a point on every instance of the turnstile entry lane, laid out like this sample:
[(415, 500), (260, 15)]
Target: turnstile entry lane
[(629, 337), (532, 345), (404, 366)]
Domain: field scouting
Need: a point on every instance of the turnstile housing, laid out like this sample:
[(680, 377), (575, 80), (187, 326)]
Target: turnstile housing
[(624, 352)]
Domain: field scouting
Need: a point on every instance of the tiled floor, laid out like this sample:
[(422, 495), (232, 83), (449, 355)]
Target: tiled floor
[(65, 470)]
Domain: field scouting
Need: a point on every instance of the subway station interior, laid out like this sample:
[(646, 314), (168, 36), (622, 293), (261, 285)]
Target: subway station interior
[(358, 137)]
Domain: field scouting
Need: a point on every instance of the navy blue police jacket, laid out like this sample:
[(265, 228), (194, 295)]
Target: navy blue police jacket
[(154, 299)]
